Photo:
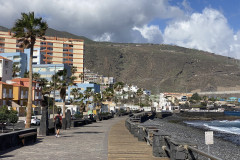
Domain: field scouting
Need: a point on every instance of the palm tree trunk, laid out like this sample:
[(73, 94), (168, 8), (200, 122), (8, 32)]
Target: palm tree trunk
[(64, 108), (29, 104)]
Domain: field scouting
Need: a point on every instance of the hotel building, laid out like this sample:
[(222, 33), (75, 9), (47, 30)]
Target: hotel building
[(54, 50)]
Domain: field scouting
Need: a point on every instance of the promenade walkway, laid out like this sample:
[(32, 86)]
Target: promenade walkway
[(96, 141), (123, 145)]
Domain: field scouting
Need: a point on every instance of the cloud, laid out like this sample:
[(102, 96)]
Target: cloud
[(96, 19), (152, 33), (208, 31)]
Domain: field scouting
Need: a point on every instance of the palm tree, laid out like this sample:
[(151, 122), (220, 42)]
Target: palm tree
[(81, 76), (97, 98), (139, 94), (15, 70), (108, 94), (26, 30), (87, 94), (74, 92), (62, 83)]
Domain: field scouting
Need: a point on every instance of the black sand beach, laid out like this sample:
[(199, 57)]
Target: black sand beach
[(221, 148)]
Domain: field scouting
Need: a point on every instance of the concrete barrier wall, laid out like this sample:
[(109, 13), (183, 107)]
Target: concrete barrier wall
[(8, 140)]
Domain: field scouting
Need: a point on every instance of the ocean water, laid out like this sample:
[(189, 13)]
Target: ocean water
[(227, 130)]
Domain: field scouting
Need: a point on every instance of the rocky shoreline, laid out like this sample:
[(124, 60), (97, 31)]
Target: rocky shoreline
[(175, 127)]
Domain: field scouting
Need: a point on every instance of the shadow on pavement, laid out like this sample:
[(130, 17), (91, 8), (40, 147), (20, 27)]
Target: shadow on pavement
[(39, 140), (91, 126), (87, 132), (7, 156)]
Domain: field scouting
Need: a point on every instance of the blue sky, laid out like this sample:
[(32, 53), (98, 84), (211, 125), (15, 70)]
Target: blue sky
[(209, 25)]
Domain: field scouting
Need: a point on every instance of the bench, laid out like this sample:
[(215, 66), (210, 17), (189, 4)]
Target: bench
[(23, 136)]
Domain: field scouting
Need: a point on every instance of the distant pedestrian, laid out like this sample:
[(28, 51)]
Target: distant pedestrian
[(58, 123)]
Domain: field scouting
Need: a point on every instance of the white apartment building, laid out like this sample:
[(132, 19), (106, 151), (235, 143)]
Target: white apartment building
[(5, 69)]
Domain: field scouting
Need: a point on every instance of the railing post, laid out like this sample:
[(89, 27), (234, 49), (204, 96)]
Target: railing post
[(178, 151), (141, 133), (158, 143)]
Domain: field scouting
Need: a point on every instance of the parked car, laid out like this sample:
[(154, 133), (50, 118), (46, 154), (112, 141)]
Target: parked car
[(34, 120)]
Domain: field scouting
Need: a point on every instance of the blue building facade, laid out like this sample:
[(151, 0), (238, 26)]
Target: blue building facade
[(19, 59), (48, 70)]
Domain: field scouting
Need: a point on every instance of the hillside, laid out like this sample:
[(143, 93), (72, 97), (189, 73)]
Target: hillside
[(163, 68), (159, 68)]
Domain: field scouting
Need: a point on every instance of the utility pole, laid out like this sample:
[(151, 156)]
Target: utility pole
[(54, 91)]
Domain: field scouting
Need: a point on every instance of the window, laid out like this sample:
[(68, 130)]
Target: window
[(34, 62), (43, 43), (65, 45), (49, 53), (65, 50), (49, 43), (70, 45), (34, 56), (19, 50), (1, 50), (70, 50), (2, 45), (4, 102), (22, 96), (43, 48), (2, 39), (65, 55), (50, 48), (10, 93), (6, 64), (4, 93)]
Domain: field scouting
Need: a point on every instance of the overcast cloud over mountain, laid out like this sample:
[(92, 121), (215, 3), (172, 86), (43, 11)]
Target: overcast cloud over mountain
[(134, 21)]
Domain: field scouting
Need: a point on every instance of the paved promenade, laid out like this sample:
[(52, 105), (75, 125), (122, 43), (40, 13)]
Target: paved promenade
[(90, 142)]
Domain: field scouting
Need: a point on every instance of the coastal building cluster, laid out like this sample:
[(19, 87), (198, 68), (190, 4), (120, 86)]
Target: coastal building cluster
[(54, 54), (50, 55)]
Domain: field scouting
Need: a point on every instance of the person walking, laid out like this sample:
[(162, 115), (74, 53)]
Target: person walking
[(58, 123)]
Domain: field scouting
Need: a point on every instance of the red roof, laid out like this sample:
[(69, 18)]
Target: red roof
[(18, 85), (4, 83), (22, 79), (1, 57)]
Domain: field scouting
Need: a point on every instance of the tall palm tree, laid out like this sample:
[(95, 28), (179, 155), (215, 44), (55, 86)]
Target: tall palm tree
[(62, 83), (26, 30)]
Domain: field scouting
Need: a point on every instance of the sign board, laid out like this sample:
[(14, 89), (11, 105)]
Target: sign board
[(209, 137)]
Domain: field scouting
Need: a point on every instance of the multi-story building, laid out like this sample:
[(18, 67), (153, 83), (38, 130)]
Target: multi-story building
[(36, 89), (19, 59), (20, 94), (37, 56), (5, 69), (48, 70), (54, 50), (6, 91)]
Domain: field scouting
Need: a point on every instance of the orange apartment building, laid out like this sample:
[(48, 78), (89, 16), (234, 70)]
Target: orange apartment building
[(54, 50), (6, 92), (22, 92)]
